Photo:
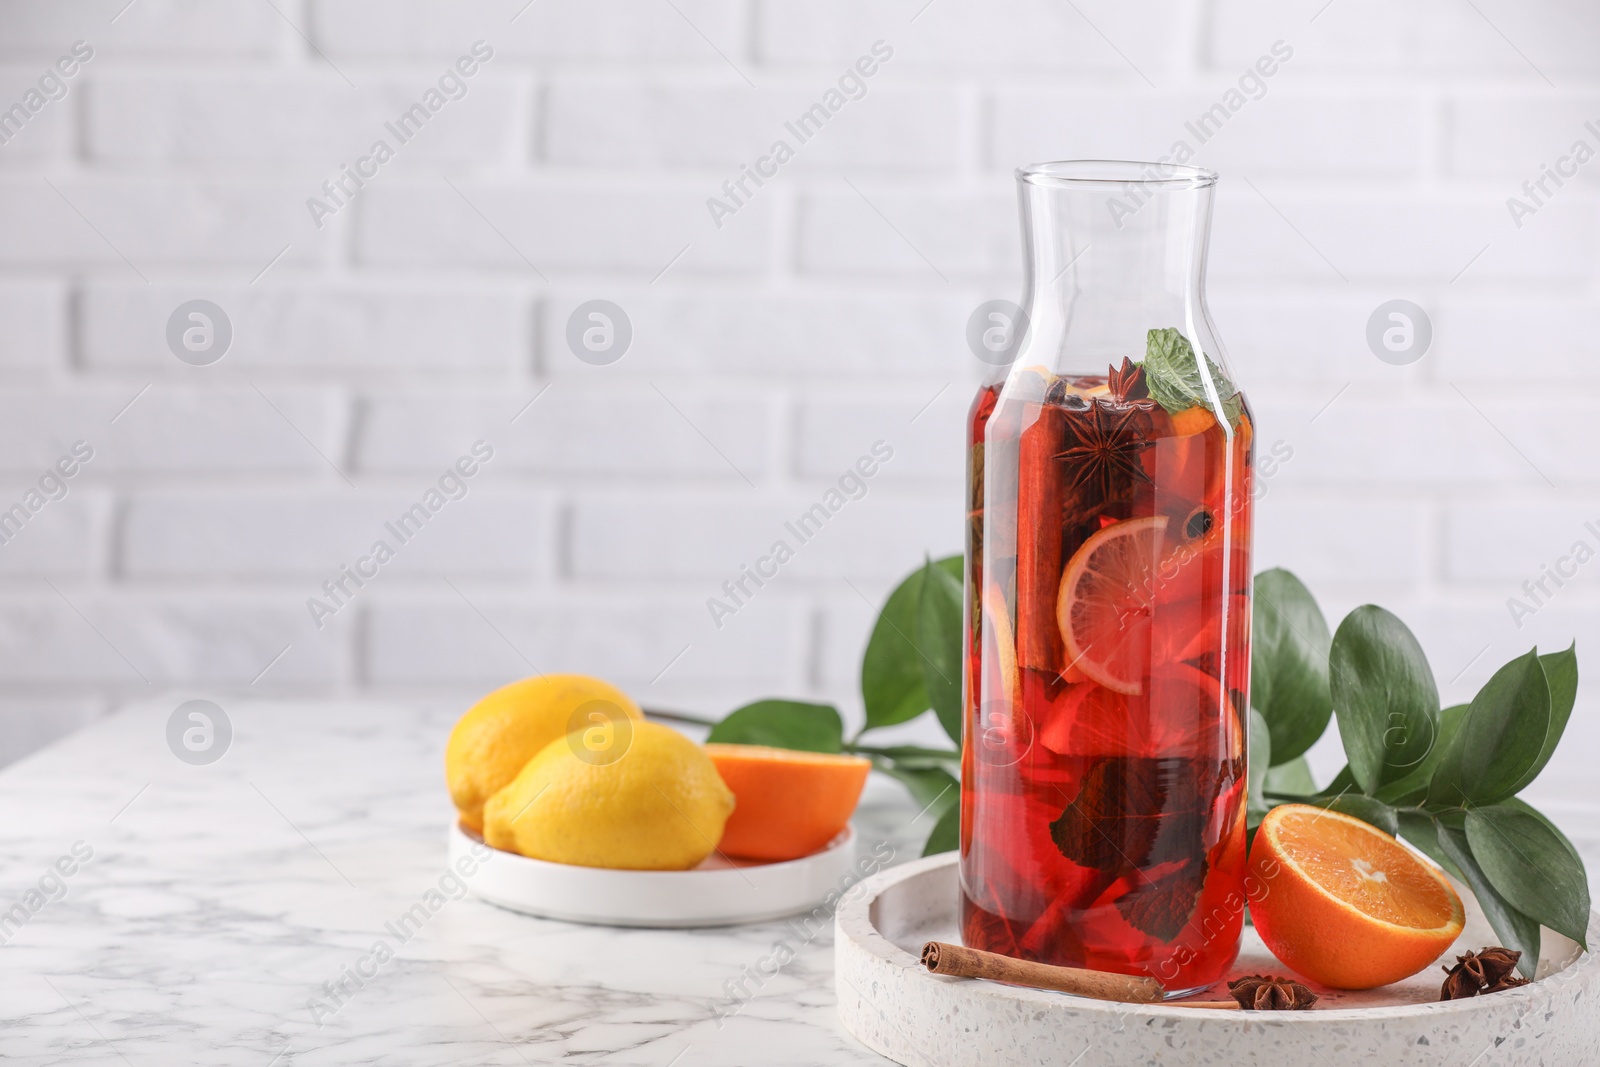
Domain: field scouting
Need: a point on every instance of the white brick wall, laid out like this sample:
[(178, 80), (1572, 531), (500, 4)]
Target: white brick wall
[(768, 354), (394, 329)]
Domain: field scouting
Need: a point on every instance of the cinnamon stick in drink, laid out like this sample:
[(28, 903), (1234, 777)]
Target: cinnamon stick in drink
[(957, 961), (1039, 556)]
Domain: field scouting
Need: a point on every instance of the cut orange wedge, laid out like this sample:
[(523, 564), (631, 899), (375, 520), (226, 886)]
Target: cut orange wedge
[(789, 803), (1345, 904), (1104, 604)]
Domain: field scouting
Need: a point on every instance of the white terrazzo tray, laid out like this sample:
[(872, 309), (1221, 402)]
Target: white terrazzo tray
[(895, 1007)]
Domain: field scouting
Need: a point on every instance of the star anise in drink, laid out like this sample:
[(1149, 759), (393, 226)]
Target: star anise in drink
[(1062, 393), (1127, 382), (1264, 992), (1103, 446), (1489, 970)]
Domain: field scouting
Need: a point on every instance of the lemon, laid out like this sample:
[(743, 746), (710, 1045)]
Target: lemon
[(507, 728), (652, 801)]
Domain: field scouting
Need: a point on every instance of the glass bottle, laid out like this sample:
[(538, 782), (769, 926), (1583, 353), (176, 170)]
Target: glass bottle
[(1108, 593)]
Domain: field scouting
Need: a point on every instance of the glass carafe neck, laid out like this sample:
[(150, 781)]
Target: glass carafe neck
[(1111, 251)]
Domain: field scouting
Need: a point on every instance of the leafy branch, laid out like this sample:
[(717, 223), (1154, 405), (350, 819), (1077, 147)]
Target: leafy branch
[(1446, 780)]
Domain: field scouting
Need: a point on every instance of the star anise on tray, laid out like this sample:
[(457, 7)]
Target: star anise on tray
[(1127, 382), (1488, 970), (1263, 992), (1103, 446)]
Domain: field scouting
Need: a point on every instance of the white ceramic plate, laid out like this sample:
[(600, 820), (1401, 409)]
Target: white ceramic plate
[(895, 1007), (719, 892)]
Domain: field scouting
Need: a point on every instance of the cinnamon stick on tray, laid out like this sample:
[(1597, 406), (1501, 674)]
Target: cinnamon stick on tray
[(957, 961)]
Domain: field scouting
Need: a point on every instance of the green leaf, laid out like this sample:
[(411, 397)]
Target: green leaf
[(893, 685), (1172, 374), (1289, 663), (1533, 868), (782, 724), (1561, 673), (1413, 787), (1500, 739), (1518, 804), (1418, 828), (934, 789), (1384, 695), (1361, 807), (1260, 759), (1514, 929), (938, 641), (946, 836), (1293, 777)]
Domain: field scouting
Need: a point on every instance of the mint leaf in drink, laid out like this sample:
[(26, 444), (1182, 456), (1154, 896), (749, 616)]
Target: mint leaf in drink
[(1136, 812), (1164, 906), (1172, 374)]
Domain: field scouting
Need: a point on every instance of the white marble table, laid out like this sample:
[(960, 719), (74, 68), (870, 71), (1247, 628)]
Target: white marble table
[(220, 899)]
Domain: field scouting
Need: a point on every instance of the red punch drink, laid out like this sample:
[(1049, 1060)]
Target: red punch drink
[(1108, 567)]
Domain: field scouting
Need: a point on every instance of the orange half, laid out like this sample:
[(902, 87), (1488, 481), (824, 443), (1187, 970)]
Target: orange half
[(1345, 904), (790, 803)]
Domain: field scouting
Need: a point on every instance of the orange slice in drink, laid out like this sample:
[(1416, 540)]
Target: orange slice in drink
[(1193, 420), (1105, 601), (1344, 903), (999, 640), (1186, 713)]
